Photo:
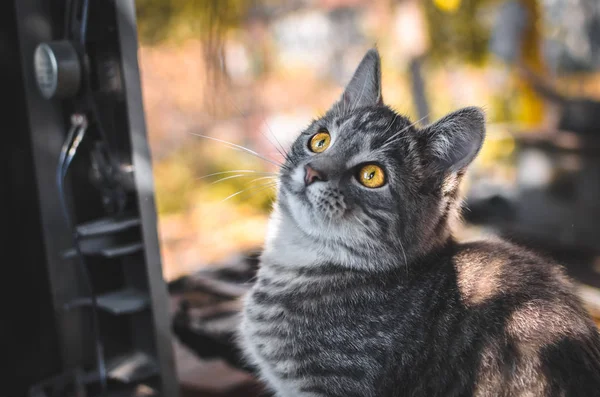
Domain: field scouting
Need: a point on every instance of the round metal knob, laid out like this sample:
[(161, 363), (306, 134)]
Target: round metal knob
[(57, 69)]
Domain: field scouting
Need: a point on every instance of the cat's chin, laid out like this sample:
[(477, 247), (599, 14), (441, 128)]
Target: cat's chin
[(292, 242), (307, 217), (320, 225)]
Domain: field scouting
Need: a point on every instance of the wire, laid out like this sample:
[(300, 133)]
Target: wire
[(75, 136), (84, 20), (89, 102), (79, 125), (73, 150)]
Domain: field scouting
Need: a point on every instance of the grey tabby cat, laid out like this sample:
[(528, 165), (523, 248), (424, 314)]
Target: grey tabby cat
[(362, 291)]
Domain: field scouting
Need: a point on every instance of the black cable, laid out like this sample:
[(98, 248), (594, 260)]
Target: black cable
[(67, 154)]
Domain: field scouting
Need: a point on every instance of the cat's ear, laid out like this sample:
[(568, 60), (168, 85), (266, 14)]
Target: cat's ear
[(454, 141), (364, 89)]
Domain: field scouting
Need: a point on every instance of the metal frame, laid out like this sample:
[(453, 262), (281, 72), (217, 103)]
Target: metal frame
[(35, 150), (126, 22)]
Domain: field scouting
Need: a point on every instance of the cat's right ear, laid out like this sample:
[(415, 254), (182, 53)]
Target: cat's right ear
[(364, 89), (453, 142)]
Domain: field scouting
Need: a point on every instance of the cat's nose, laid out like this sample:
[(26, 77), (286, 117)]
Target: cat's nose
[(311, 175)]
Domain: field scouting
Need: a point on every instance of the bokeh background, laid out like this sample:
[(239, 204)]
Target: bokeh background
[(256, 71)]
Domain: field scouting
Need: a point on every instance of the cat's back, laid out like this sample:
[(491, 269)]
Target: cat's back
[(538, 337), (495, 269)]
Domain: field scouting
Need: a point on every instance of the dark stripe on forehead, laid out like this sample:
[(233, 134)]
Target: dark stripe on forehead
[(398, 134), (368, 122)]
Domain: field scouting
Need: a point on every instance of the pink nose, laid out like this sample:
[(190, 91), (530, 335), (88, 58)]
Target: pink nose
[(312, 175)]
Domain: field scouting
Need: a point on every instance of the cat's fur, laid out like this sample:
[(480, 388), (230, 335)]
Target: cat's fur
[(363, 292)]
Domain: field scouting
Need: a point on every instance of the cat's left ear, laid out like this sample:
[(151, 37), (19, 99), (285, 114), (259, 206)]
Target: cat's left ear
[(454, 141), (364, 89)]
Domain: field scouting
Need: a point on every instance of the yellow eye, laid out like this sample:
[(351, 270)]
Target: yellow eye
[(371, 176), (320, 141)]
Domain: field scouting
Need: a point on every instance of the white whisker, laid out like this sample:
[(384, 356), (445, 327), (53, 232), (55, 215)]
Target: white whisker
[(250, 188), (228, 177), (233, 145), (404, 254), (391, 140), (262, 189), (285, 156), (234, 171), (264, 177), (391, 123), (362, 223), (283, 152)]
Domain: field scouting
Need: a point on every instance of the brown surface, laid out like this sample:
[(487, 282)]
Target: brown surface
[(200, 378)]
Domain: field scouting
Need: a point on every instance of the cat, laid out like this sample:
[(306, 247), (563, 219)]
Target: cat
[(362, 290)]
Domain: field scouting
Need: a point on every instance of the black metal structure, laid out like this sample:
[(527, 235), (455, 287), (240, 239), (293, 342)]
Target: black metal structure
[(84, 305)]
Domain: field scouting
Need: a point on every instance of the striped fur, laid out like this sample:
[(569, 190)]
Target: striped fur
[(363, 292)]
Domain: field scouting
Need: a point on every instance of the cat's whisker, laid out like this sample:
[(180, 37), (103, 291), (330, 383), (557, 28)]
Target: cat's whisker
[(284, 153), (263, 178), (228, 177), (237, 171), (262, 190), (362, 223), (329, 224), (403, 254), (245, 149), (264, 186), (369, 244), (406, 128), (286, 157), (391, 124), (391, 140)]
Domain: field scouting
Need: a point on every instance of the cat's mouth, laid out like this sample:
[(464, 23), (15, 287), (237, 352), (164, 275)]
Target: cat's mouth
[(322, 202), (314, 205), (328, 202)]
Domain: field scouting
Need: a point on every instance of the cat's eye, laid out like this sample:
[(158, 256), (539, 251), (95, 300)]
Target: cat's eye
[(320, 141), (371, 176)]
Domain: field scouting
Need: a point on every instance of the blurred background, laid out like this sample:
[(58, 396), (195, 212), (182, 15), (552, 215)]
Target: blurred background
[(254, 73), (139, 152)]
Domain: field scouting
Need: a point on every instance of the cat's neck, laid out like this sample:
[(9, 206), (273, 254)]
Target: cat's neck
[(288, 245)]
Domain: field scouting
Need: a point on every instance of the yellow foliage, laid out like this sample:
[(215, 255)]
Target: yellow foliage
[(447, 5)]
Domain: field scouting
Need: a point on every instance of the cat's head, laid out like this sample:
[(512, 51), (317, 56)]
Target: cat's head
[(366, 180)]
